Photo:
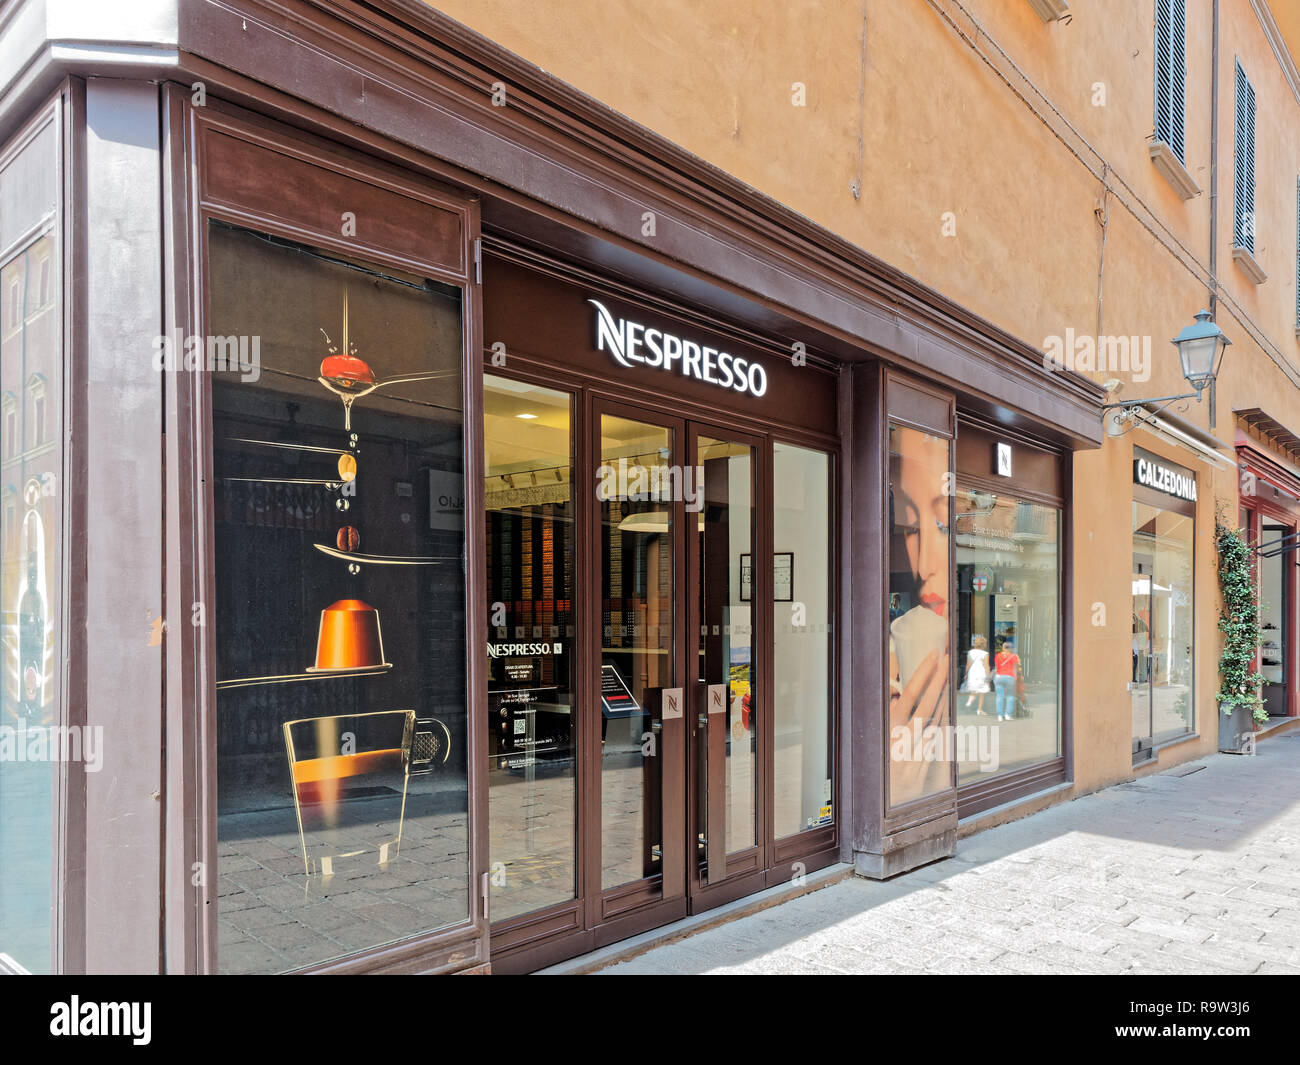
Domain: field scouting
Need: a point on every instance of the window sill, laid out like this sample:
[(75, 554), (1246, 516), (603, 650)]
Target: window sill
[(1172, 170), (1248, 265)]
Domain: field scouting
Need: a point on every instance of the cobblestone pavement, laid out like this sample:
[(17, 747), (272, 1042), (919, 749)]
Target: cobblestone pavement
[(1195, 870)]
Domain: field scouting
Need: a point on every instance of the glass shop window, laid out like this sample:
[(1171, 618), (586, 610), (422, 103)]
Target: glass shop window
[(920, 597), (340, 604), (1008, 634), (528, 444), (31, 591), (804, 759)]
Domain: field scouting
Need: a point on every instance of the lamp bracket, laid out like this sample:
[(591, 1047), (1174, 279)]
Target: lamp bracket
[(1136, 410)]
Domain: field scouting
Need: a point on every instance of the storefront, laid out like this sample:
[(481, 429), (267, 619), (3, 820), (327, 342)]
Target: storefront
[(523, 583), (1269, 515), (661, 602)]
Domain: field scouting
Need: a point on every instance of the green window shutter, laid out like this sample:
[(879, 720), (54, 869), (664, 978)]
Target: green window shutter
[(1171, 75), (1243, 166)]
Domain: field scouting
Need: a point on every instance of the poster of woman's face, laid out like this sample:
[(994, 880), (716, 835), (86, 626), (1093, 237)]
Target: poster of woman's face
[(920, 587)]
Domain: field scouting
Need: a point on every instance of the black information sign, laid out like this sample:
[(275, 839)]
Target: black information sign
[(615, 696)]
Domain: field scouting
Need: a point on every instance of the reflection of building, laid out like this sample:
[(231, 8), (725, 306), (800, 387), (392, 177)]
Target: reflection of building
[(31, 561), (1009, 583), (29, 351)]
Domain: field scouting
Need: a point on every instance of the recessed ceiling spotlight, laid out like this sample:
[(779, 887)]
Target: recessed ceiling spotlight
[(527, 417)]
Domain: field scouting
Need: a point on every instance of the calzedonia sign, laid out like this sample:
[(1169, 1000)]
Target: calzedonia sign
[(632, 343), (1170, 480)]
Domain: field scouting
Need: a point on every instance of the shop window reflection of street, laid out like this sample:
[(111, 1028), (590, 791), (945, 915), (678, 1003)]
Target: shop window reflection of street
[(31, 458), (1008, 579)]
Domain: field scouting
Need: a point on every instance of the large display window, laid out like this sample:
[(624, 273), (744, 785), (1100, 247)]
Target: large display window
[(339, 538), (32, 740), (1008, 633)]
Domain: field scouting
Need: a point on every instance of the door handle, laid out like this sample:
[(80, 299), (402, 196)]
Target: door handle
[(714, 753), (671, 855)]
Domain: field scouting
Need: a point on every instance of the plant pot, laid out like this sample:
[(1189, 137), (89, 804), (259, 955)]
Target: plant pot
[(1236, 730)]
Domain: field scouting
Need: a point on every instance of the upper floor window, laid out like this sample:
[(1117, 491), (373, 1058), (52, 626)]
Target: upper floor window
[(36, 396), (9, 411), (1243, 166), (45, 279), (1171, 75)]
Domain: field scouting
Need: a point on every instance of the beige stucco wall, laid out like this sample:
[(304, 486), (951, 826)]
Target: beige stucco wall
[(942, 132)]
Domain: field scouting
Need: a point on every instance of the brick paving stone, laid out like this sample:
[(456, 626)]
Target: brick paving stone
[(282, 936), (1165, 875)]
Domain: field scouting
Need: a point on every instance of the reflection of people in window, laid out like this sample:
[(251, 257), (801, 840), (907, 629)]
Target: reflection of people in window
[(977, 673), (1006, 673), (919, 661)]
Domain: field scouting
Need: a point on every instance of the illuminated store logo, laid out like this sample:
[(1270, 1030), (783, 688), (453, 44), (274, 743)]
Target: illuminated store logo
[(631, 342), (1163, 479), (508, 650)]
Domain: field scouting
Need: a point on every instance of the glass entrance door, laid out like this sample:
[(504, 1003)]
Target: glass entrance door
[(679, 767), (724, 725), (639, 555), (641, 764)]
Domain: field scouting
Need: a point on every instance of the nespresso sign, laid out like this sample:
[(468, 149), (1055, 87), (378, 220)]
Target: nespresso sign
[(632, 343), (1163, 479)]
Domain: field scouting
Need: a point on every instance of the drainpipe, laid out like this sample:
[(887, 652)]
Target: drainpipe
[(1214, 168)]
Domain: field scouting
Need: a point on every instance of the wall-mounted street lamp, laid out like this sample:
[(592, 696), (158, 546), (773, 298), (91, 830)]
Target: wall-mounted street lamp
[(1201, 347)]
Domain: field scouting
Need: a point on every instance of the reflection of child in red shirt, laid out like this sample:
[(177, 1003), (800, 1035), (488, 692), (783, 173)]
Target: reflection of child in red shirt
[(1006, 667)]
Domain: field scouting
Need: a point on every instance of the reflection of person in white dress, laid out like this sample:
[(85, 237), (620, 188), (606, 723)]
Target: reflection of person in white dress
[(977, 673)]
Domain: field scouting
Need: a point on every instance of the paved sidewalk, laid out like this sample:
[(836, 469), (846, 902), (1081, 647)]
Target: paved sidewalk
[(1188, 871)]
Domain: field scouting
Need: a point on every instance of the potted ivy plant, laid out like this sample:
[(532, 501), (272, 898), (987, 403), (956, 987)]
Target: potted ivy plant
[(1240, 704)]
